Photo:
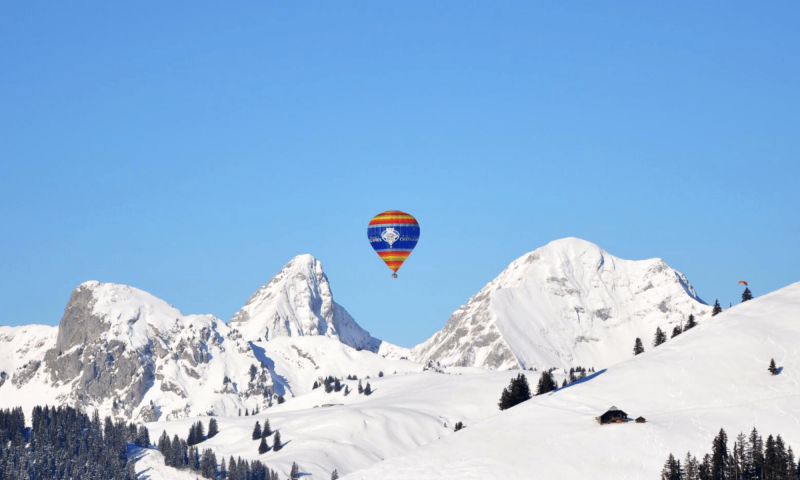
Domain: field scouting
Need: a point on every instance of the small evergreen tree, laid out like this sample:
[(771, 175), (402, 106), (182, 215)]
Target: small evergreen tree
[(266, 431), (360, 388), (316, 385), (691, 323), (719, 456), (295, 473), (638, 347), (717, 308), (276, 442), (192, 438), (213, 428), (458, 426), (335, 475), (773, 369), (257, 431), (564, 383), (281, 399), (380, 374), (676, 331), (660, 337), (546, 383), (747, 294), (368, 389), (263, 447), (672, 469)]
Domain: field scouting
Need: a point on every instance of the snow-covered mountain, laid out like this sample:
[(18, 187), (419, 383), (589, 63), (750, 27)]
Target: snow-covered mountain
[(129, 354), (298, 302), (569, 303), (711, 377)]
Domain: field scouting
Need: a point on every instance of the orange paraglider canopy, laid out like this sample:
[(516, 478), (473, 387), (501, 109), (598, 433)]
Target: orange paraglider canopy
[(743, 282)]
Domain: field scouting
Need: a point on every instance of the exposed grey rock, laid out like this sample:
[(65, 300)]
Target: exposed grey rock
[(24, 374)]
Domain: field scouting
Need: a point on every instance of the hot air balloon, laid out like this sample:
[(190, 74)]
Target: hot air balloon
[(743, 282), (393, 235)]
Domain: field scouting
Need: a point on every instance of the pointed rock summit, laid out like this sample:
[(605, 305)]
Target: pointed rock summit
[(298, 301), (569, 303)]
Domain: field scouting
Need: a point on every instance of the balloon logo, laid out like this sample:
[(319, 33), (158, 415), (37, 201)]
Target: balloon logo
[(393, 235)]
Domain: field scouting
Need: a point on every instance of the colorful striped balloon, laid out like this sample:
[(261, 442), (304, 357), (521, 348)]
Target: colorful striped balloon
[(393, 234)]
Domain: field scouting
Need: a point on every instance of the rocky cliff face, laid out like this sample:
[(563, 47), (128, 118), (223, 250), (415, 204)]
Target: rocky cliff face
[(298, 301), (130, 354), (569, 303)]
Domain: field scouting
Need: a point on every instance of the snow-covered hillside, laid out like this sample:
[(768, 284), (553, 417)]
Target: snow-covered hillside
[(713, 376), (569, 303), (326, 431)]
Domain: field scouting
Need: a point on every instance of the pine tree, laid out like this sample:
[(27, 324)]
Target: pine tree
[(246, 412), (459, 426), (755, 459), (266, 431), (192, 438), (691, 323), (368, 389), (360, 388), (263, 447), (719, 456), (747, 294), (200, 435), (638, 347), (772, 368), (672, 469), (337, 385), (295, 473), (276, 442), (281, 399), (660, 337), (564, 383), (676, 331), (257, 431), (690, 467), (213, 428), (316, 385), (546, 383), (717, 308), (335, 475)]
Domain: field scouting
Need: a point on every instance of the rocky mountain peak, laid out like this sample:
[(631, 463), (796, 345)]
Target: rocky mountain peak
[(298, 301)]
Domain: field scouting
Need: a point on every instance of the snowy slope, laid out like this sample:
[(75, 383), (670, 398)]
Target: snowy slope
[(406, 411), (296, 363), (714, 376), (569, 303), (298, 301)]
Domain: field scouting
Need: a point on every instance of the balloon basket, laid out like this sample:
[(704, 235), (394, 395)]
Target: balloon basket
[(394, 275)]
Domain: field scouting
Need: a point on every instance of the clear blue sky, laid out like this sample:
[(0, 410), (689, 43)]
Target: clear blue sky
[(191, 149)]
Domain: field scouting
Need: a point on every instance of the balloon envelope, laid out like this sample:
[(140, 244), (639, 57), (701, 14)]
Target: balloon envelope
[(393, 235)]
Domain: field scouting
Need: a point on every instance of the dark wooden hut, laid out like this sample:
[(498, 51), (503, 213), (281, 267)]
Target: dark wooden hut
[(641, 420), (613, 415)]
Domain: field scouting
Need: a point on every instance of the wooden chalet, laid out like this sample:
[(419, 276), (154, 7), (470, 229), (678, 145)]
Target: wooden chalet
[(641, 420), (613, 415)]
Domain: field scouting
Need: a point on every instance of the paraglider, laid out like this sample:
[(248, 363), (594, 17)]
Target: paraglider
[(393, 235), (742, 282)]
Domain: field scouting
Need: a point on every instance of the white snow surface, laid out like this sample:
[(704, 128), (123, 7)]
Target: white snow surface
[(713, 376), (569, 303)]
